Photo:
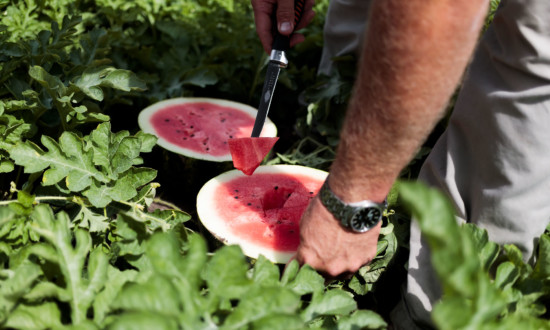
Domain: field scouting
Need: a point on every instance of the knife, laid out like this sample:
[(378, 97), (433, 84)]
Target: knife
[(277, 60)]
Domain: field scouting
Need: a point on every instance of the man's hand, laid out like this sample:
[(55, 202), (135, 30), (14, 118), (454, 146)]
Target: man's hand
[(263, 14), (329, 248)]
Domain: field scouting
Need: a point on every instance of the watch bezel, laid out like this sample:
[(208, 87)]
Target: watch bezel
[(346, 212), (358, 210)]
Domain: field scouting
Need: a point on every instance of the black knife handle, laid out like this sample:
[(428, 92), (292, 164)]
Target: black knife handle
[(281, 42)]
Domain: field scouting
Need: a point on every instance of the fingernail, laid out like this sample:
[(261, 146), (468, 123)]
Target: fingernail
[(285, 27)]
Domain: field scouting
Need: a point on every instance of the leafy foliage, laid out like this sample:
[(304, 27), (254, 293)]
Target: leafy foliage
[(490, 292), (83, 242)]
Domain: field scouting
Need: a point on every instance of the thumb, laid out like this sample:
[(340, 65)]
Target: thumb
[(285, 16)]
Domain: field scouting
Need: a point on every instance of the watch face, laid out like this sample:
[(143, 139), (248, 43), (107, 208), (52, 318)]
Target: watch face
[(365, 218)]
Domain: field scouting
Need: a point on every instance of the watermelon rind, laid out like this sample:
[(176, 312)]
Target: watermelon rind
[(216, 222), (144, 121)]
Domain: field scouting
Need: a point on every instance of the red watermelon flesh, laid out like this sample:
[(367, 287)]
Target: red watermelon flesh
[(202, 127), (265, 209), (248, 152)]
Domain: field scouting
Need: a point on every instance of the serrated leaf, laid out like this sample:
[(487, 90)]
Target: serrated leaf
[(93, 221), (200, 77), (261, 302), (226, 273), (157, 294), (74, 252), (307, 281), (43, 316), (116, 279), (278, 322), (506, 275), (290, 272), (16, 286), (47, 80), (332, 302), (542, 267), (143, 321), (93, 78), (265, 272), (65, 160), (148, 141), (361, 319)]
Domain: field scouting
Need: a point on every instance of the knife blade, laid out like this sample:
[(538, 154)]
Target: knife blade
[(277, 60)]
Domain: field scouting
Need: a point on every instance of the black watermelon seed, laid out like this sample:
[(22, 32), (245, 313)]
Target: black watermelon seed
[(236, 197), (223, 120), (276, 187), (207, 149), (191, 126), (192, 135), (249, 204), (230, 136), (166, 120), (311, 192), (236, 190)]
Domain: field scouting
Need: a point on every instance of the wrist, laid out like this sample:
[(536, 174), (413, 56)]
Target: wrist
[(357, 217)]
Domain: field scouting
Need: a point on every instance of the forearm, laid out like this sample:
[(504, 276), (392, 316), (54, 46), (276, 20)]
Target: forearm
[(414, 55)]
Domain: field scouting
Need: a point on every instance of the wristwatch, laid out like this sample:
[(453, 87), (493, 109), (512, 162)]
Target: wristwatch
[(358, 216)]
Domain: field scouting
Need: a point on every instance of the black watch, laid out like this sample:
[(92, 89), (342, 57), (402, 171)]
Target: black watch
[(358, 216)]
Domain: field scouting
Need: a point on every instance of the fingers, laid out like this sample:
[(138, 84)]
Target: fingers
[(263, 13), (285, 16), (263, 10)]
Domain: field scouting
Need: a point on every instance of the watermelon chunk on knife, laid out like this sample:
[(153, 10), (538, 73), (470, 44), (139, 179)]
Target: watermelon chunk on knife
[(249, 152)]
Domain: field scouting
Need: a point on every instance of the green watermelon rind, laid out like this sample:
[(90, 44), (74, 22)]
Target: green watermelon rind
[(213, 219), (144, 121)]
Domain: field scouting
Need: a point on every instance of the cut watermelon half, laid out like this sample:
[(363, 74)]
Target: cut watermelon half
[(249, 152), (200, 127), (261, 213)]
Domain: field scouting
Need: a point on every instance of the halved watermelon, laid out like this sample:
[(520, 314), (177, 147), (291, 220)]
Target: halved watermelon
[(249, 152), (200, 127), (261, 213)]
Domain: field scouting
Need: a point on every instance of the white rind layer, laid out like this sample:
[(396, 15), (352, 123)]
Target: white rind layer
[(144, 121), (213, 219)]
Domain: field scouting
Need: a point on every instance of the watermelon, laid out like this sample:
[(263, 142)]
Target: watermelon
[(249, 152), (200, 127), (260, 213)]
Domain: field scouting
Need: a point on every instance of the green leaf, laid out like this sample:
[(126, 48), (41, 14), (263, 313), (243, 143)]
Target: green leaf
[(507, 274), (307, 281), (143, 321), (332, 302), (200, 77), (84, 270), (361, 319), (542, 267), (290, 272), (18, 283), (116, 279), (265, 272), (93, 78), (43, 316), (261, 302), (278, 322), (226, 272), (157, 294)]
